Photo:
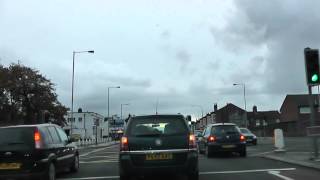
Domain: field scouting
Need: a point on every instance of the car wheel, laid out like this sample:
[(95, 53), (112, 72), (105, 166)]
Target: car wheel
[(75, 164), (194, 176), (124, 177), (255, 143), (50, 173), (208, 152), (243, 153)]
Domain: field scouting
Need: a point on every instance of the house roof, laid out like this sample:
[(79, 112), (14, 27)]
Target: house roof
[(298, 99)]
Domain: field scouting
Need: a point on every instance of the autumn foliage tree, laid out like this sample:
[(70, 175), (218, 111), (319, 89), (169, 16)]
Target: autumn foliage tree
[(27, 97)]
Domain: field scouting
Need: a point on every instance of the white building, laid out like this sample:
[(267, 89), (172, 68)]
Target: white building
[(84, 125)]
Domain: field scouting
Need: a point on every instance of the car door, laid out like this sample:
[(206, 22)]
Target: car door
[(68, 151), (58, 148), (206, 136)]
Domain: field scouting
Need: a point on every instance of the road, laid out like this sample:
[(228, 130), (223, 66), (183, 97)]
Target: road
[(102, 163)]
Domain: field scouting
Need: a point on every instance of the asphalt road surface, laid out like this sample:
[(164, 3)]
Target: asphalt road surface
[(102, 163)]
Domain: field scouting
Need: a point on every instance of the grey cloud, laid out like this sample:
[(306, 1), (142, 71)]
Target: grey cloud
[(165, 34), (285, 28), (184, 59)]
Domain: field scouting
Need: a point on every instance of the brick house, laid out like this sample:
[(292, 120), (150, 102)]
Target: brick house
[(231, 114), (262, 123), (295, 113)]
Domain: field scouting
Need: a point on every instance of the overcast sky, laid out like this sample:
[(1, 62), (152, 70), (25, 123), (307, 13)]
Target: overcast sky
[(181, 52)]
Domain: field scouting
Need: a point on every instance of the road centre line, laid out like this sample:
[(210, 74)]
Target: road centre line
[(246, 171), (277, 173), (94, 151), (88, 178), (101, 161), (92, 157)]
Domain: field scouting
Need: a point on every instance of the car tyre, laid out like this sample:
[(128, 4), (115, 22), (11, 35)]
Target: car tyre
[(255, 143), (194, 176), (243, 153), (50, 173), (75, 164), (208, 152)]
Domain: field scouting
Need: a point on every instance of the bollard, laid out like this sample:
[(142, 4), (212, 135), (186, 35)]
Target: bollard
[(279, 140)]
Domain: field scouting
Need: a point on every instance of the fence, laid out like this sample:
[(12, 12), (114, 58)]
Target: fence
[(88, 142)]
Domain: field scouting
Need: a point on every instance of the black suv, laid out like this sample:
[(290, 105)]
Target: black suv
[(35, 151), (158, 144), (222, 137)]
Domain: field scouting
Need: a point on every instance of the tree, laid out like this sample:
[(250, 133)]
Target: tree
[(28, 96)]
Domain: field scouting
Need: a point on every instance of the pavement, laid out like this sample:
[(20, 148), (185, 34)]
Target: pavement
[(298, 151), (102, 163)]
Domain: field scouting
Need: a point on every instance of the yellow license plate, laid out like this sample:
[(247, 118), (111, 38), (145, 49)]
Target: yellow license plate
[(164, 156), (6, 166), (228, 146)]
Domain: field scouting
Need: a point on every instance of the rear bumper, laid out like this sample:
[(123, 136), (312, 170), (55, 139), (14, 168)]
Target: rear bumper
[(224, 147), (126, 166)]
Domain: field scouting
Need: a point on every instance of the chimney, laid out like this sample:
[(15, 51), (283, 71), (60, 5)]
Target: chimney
[(215, 107), (254, 109)]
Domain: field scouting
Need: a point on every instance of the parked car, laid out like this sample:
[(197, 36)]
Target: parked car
[(222, 137), (36, 152), (158, 144), (250, 137)]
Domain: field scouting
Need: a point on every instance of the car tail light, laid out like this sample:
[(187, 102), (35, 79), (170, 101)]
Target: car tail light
[(211, 138), (37, 139), (124, 144), (242, 138), (192, 142)]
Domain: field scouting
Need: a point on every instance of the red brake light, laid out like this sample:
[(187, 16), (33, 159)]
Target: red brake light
[(212, 138), (192, 142), (242, 138), (124, 144), (37, 139)]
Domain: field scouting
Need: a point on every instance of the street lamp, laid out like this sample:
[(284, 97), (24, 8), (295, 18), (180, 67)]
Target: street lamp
[(121, 109), (73, 57), (245, 101), (201, 108), (109, 97)]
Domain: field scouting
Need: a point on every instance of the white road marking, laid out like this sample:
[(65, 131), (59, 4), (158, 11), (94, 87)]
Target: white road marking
[(101, 161), (94, 151), (247, 171), (277, 173), (91, 157), (259, 154)]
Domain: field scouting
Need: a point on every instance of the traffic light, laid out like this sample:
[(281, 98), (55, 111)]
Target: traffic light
[(312, 66)]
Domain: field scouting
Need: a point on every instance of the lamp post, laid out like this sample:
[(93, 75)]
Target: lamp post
[(245, 101), (121, 109), (201, 108), (73, 57), (108, 115)]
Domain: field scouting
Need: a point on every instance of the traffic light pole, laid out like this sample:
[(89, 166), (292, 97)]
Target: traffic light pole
[(312, 122)]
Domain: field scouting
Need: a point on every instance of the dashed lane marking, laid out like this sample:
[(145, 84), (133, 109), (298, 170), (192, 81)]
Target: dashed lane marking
[(277, 173), (247, 171)]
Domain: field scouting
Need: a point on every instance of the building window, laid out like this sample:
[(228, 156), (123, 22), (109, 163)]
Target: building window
[(257, 122), (80, 119), (304, 110)]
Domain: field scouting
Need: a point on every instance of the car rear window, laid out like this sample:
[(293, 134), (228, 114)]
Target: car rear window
[(225, 129), (157, 126), (16, 138), (245, 131)]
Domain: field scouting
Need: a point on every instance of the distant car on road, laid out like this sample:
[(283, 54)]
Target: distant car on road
[(250, 137), (222, 137), (198, 134), (158, 144), (36, 152)]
